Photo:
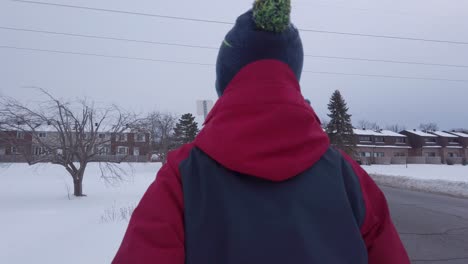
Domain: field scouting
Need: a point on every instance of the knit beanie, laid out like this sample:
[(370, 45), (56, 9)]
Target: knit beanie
[(264, 32)]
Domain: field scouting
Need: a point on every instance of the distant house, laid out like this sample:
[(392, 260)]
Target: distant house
[(463, 140), (15, 142), (381, 146), (131, 142), (452, 148), (434, 147)]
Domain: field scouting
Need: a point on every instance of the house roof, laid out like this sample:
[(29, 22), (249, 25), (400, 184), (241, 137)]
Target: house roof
[(420, 133), (365, 132), (389, 133), (444, 134), (460, 134), (383, 146), (381, 133)]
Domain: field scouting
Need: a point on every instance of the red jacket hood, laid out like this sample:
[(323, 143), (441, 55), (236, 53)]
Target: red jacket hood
[(262, 126)]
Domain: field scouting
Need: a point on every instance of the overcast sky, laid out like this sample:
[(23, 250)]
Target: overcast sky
[(144, 86)]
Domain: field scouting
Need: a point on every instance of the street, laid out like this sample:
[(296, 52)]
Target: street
[(434, 228)]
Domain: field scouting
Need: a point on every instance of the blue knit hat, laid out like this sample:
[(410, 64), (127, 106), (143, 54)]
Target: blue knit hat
[(248, 42)]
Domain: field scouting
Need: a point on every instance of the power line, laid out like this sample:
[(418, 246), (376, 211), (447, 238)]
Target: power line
[(105, 56), (384, 36), (210, 64), (386, 76), (106, 38), (125, 12), (216, 48), (230, 23), (388, 61)]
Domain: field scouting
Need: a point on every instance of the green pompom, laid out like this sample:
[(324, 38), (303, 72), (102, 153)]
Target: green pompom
[(272, 15)]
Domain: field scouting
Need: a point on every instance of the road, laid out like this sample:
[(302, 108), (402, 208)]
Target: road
[(434, 228)]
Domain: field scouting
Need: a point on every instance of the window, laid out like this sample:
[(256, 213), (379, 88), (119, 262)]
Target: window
[(400, 154), (103, 150), (430, 154), (42, 134), (453, 141), (122, 151), (38, 151), (365, 154), (102, 136), (20, 135), (379, 139), (140, 138), (400, 140), (430, 140), (14, 150), (453, 155), (379, 154), (365, 138), (136, 151), (122, 137)]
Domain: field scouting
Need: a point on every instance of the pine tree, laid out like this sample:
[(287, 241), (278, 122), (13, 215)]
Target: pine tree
[(340, 128), (186, 129)]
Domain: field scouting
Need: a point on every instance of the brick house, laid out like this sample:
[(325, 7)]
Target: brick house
[(452, 148), (463, 140), (381, 147), (131, 142), (15, 142), (425, 147)]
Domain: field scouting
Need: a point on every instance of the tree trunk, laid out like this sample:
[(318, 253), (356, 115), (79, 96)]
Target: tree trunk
[(78, 188), (78, 183)]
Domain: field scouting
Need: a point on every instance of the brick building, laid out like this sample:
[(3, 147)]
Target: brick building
[(381, 147)]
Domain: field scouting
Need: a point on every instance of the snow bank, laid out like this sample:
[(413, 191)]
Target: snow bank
[(39, 224), (451, 180)]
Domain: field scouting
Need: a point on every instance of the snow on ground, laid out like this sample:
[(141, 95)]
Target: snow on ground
[(39, 224), (451, 180)]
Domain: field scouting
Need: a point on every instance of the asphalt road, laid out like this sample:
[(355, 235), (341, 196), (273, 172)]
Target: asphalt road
[(434, 228)]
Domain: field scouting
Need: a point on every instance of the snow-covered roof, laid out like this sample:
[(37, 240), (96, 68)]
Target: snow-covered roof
[(381, 133), (364, 132), (460, 134), (389, 133), (443, 134), (45, 128), (420, 133), (383, 146)]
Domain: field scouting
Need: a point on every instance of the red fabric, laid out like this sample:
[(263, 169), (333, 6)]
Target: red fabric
[(383, 243), (263, 122), (156, 231)]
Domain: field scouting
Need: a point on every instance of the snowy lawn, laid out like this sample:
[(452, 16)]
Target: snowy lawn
[(452, 180), (39, 224)]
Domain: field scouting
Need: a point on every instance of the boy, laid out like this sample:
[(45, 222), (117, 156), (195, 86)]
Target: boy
[(261, 184)]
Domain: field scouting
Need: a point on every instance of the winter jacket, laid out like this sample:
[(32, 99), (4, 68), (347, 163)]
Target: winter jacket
[(261, 184)]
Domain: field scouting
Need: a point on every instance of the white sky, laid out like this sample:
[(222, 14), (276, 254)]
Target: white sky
[(144, 86)]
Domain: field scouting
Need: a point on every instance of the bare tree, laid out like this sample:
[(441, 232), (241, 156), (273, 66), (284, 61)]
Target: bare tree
[(161, 126), (396, 128), (70, 134), (364, 124), (429, 127)]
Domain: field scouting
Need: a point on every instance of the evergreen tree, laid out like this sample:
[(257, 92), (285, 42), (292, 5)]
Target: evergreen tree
[(186, 129), (340, 128)]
